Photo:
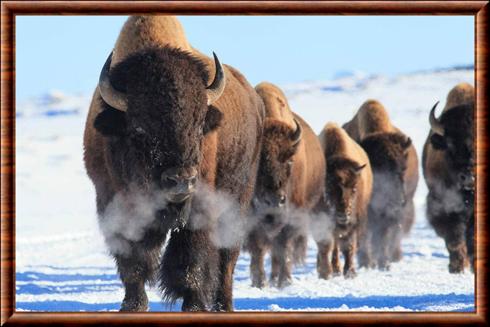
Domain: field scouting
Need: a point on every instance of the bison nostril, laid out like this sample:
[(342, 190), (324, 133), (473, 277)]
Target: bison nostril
[(170, 181), (175, 180), (269, 219)]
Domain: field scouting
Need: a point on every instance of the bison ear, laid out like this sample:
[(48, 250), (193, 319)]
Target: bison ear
[(438, 142), (212, 120), (111, 122)]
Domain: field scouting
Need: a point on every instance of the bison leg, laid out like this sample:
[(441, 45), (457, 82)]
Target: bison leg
[(300, 248), (275, 267), (364, 256), (336, 259), (257, 249), (452, 228), (470, 241), (396, 244), (189, 269), (349, 250), (224, 295), (457, 257), (323, 264), (408, 216), (456, 246), (282, 249), (380, 239), (135, 270)]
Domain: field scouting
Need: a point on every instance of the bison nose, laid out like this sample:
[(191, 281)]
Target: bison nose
[(179, 181), (269, 219), (466, 181), (342, 219), (176, 180)]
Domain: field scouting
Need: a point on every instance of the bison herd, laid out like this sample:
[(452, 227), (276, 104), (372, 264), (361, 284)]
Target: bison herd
[(191, 164)]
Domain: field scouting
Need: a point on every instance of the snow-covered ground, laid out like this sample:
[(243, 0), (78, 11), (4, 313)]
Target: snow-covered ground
[(62, 263)]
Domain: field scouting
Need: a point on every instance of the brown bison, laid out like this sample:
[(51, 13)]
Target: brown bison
[(448, 162), (395, 175), (289, 184), (165, 122), (348, 191)]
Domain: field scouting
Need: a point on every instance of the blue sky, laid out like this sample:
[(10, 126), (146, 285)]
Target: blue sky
[(66, 52)]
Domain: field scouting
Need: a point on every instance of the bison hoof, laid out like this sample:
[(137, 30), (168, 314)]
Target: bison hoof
[(367, 265), (397, 256), (385, 266), (222, 307), (273, 281), (259, 284), (139, 304), (349, 274), (284, 282), (456, 269), (324, 275)]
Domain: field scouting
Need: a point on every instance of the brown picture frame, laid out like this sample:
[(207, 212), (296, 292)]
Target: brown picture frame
[(10, 9)]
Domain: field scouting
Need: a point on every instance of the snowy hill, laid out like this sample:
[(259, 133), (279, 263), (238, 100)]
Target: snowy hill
[(62, 262)]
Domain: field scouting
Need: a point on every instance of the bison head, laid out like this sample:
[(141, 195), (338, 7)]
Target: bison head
[(388, 154), (453, 134), (156, 110), (341, 189), (280, 143)]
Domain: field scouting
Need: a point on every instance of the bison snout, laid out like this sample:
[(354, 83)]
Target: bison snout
[(342, 219), (466, 181), (179, 183)]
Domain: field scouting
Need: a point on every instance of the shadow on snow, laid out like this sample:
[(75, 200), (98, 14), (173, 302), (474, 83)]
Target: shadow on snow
[(416, 303)]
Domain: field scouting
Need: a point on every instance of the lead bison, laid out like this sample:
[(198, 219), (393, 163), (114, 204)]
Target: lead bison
[(158, 131), (448, 163), (395, 176), (348, 190), (289, 184)]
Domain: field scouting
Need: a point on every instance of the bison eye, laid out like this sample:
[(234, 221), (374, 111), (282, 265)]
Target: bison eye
[(282, 199)]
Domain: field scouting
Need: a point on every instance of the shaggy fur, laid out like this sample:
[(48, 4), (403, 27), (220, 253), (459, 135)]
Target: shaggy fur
[(276, 105), (348, 191), (168, 125), (395, 176), (289, 185), (446, 160), (462, 93)]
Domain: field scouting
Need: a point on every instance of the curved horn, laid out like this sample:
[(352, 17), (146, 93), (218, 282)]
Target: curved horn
[(435, 124), (111, 96), (217, 87), (296, 136)]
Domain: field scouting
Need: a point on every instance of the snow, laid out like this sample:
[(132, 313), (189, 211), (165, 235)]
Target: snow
[(62, 263)]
